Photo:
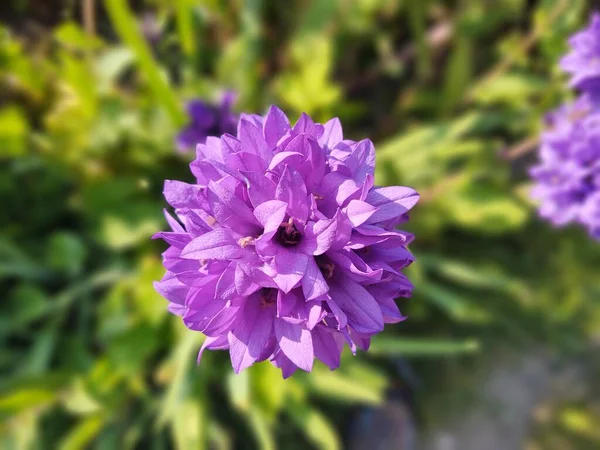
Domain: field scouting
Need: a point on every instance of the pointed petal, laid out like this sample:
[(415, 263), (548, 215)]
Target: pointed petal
[(216, 244), (252, 140), (313, 283), (290, 267), (251, 334), (182, 195), (260, 188), (359, 212), (327, 349), (270, 215), (332, 133), (319, 236), (231, 211), (276, 125), (392, 201), (295, 342), (362, 310), (292, 190), (213, 343)]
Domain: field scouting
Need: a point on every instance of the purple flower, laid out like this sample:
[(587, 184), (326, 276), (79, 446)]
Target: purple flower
[(583, 62), (207, 120), (568, 175), (284, 250)]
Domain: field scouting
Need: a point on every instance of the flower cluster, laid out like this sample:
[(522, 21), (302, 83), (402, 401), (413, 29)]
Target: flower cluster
[(207, 120), (583, 61), (567, 178), (284, 249)]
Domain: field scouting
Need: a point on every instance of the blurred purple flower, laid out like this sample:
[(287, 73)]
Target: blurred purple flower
[(284, 250), (207, 120), (583, 61), (568, 175)]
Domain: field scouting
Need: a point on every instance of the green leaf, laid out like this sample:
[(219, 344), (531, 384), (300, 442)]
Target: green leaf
[(82, 434), (261, 430), (21, 399), (129, 351), (181, 359), (458, 73), (317, 428), (341, 387), (453, 304), (509, 88), (269, 389), (386, 345), (14, 129), (238, 386), (188, 424), (78, 400), (485, 209), (127, 28), (185, 26), (66, 253)]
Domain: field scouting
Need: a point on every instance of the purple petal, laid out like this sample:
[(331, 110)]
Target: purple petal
[(213, 343), (295, 342), (362, 310), (270, 215), (361, 160), (313, 283), (332, 133), (253, 140), (260, 188), (326, 348), (217, 244), (359, 212), (391, 201), (319, 236), (182, 195), (231, 211), (251, 334), (283, 362), (290, 267), (292, 190), (276, 125)]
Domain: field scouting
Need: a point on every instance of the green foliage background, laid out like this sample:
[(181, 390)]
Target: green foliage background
[(452, 93)]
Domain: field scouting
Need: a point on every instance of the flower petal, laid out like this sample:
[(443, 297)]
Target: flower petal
[(362, 310), (251, 334), (326, 348), (295, 342), (276, 125), (270, 215), (231, 211), (313, 283), (391, 201), (217, 244)]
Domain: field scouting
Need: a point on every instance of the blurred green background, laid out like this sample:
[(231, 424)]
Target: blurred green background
[(452, 93)]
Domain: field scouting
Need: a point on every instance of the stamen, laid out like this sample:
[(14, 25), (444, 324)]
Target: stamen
[(211, 221), (245, 241)]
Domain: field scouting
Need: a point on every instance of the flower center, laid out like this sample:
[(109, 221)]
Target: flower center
[(288, 235), (325, 265), (268, 297)]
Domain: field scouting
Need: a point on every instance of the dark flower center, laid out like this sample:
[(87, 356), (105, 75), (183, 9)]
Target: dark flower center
[(325, 265), (288, 235), (268, 296)]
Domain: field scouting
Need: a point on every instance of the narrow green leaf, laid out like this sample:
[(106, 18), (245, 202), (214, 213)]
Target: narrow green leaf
[(127, 28), (82, 434), (341, 387), (317, 428), (185, 26), (260, 428), (384, 345)]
